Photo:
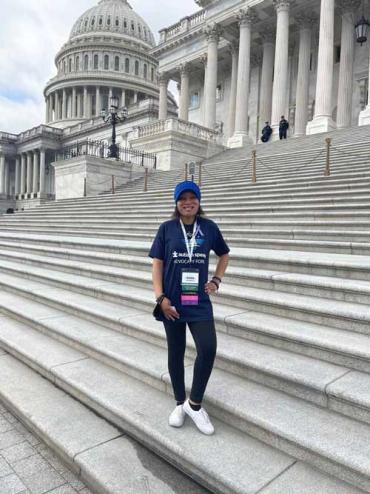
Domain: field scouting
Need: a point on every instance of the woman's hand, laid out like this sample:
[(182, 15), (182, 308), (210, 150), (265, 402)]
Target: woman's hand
[(210, 288), (169, 312)]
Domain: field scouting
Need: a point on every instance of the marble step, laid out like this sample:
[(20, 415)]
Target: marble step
[(255, 410), (136, 270), (105, 458)]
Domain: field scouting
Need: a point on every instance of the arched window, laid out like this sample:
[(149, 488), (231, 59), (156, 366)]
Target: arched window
[(96, 62), (106, 62), (136, 68), (70, 65), (125, 23), (93, 21), (108, 20), (132, 26), (127, 65), (152, 74), (145, 71), (116, 63), (77, 63), (86, 62), (117, 21)]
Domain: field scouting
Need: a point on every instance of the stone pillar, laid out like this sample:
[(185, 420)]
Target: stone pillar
[(57, 106), (51, 107), (79, 104), (7, 177), (184, 95), (36, 174), (135, 97), (303, 78), (97, 101), (364, 118), (280, 84), (163, 84), (213, 34), (64, 104), (74, 103), (2, 174), (240, 137), (267, 77), (233, 51), (123, 98), (17, 175), (110, 96), (347, 55), (47, 109), (322, 121), (23, 173), (29, 173), (42, 171), (84, 104)]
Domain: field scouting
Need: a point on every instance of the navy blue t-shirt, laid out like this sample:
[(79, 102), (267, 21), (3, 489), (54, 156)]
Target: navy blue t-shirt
[(169, 246)]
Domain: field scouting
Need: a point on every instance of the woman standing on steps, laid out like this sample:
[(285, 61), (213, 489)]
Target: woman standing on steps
[(180, 254)]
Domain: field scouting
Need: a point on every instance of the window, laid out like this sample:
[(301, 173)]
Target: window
[(136, 68), (219, 92), (311, 62), (117, 21), (152, 74), (96, 62), (337, 54), (132, 26), (93, 21), (106, 62), (86, 22), (70, 65), (127, 65), (125, 24), (100, 21), (116, 63), (77, 63), (108, 20), (145, 71), (139, 28), (194, 99), (86, 62)]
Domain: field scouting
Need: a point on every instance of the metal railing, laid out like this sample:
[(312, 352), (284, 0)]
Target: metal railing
[(101, 149)]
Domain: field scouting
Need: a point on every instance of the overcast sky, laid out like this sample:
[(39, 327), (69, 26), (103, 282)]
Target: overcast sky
[(31, 33)]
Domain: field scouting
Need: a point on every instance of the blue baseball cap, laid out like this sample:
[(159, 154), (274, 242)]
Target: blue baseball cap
[(184, 187)]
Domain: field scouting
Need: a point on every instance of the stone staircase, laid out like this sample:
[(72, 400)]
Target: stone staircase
[(84, 364)]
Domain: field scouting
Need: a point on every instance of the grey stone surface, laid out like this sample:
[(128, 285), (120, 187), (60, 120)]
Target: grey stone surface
[(11, 484)]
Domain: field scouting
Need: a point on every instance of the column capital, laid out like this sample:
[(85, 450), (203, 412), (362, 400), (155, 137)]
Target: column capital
[(306, 21), (213, 32), (282, 5), (204, 59), (163, 78), (246, 17), (184, 68), (348, 6)]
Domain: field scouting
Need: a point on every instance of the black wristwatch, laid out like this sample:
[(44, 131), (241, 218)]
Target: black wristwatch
[(159, 300)]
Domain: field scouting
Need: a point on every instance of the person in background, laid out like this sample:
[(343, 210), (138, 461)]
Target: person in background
[(283, 128), (182, 287), (266, 132)]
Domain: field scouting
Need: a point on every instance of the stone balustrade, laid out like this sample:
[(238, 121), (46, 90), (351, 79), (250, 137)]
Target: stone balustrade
[(6, 136), (182, 26), (176, 125), (38, 131)]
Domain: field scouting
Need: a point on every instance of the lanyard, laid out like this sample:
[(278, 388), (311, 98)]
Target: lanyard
[(190, 244)]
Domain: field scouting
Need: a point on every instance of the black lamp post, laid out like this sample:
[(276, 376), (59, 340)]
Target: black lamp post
[(362, 27), (114, 115)]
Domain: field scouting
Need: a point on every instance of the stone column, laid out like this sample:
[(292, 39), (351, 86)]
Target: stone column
[(364, 117), (84, 104), (213, 34), (57, 106), (36, 174), (29, 173), (42, 171), (51, 107), (234, 54), (110, 96), (47, 109), (163, 84), (345, 89), (267, 76), (123, 98), (74, 103), (23, 173), (322, 121), (135, 97), (79, 104), (17, 175), (303, 78), (280, 84), (240, 137), (2, 174), (64, 104), (97, 101), (184, 95), (6, 177)]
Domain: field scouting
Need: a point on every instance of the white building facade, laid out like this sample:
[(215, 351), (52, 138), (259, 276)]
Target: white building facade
[(242, 63)]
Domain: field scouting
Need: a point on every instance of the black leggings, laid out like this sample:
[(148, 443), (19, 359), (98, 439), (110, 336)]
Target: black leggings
[(205, 339)]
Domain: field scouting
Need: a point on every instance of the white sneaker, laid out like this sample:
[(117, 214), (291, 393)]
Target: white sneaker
[(201, 419), (177, 417)]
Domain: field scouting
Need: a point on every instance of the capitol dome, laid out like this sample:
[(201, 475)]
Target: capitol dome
[(113, 16)]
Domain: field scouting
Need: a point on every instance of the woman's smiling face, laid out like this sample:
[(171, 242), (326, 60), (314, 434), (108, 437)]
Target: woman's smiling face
[(188, 204)]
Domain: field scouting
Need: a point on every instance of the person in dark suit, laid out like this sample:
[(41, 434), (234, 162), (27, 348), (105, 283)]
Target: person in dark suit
[(283, 128), (266, 132)]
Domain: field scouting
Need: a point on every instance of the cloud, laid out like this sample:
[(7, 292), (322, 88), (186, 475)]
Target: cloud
[(31, 34)]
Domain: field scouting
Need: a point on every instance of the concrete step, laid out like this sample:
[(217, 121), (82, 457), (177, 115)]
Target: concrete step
[(105, 459), (243, 405)]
